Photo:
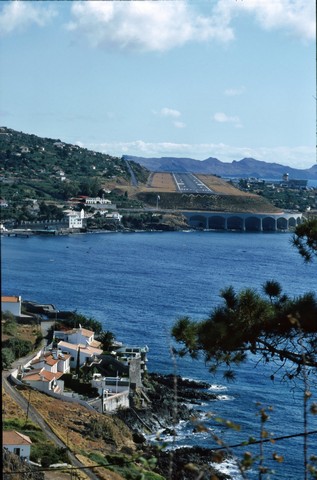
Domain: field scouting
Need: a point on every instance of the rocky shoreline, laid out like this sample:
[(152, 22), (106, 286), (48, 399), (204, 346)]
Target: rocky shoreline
[(170, 400)]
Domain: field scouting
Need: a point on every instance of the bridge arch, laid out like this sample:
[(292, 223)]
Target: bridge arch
[(253, 224), (235, 223), (217, 222), (269, 224), (282, 223), (292, 222), (198, 221)]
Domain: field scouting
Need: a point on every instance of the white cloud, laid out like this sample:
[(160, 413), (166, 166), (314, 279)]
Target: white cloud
[(296, 17), (162, 25), (232, 92), (178, 124), (169, 112), (17, 15), (297, 157), (144, 25), (224, 118)]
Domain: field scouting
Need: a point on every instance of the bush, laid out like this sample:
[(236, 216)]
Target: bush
[(20, 348), (7, 357), (10, 323)]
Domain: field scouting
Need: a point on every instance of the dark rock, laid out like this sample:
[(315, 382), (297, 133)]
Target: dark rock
[(187, 463)]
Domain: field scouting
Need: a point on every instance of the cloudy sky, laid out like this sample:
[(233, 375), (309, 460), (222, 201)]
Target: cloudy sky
[(201, 78)]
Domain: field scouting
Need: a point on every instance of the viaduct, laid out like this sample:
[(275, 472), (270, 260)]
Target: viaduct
[(245, 222)]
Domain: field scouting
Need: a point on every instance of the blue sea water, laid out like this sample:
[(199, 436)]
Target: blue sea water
[(138, 284)]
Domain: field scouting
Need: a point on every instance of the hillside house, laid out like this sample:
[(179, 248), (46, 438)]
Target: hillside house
[(127, 353), (113, 217), (53, 362), (86, 352), (11, 304), (17, 443), (75, 340), (97, 201), (44, 381), (77, 336)]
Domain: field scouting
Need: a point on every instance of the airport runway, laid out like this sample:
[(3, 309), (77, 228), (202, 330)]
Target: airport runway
[(189, 183)]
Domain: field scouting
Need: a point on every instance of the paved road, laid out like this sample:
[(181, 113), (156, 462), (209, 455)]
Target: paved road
[(134, 181), (189, 183)]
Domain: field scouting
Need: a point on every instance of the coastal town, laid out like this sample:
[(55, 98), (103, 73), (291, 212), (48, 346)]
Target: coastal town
[(71, 366)]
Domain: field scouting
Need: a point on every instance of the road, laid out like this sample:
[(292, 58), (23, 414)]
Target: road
[(189, 183)]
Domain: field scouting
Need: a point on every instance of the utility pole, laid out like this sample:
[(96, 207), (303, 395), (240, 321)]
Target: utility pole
[(28, 407)]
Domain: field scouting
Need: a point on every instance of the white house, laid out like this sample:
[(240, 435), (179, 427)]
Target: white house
[(75, 219), (85, 352), (17, 443), (44, 380), (114, 217), (97, 201), (77, 336), (53, 362), (11, 304)]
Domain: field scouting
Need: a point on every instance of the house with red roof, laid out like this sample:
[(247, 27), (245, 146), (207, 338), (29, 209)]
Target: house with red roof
[(44, 381), (54, 361), (17, 443), (84, 351), (12, 304), (77, 336)]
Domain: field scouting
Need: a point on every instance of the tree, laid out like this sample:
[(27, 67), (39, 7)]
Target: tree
[(106, 338), (248, 322), (305, 239), (272, 326)]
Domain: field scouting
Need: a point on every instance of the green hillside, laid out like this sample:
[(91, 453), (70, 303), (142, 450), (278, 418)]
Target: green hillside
[(46, 168)]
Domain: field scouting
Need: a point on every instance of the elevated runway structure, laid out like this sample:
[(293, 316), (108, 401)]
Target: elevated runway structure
[(244, 222)]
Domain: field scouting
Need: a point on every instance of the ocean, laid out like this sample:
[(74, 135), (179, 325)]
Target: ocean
[(138, 284)]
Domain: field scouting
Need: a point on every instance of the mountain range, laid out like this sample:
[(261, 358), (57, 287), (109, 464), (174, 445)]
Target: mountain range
[(245, 168)]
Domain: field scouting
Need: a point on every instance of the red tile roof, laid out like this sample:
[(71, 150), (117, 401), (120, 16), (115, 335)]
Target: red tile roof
[(11, 437)]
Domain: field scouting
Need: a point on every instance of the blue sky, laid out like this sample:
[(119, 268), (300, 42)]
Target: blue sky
[(202, 78)]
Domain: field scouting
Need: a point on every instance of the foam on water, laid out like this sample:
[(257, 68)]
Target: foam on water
[(225, 397), (230, 467), (217, 387)]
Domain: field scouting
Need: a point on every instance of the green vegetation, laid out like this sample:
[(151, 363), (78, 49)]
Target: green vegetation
[(305, 239), (43, 451), (9, 323), (226, 203), (48, 170), (130, 468), (284, 198)]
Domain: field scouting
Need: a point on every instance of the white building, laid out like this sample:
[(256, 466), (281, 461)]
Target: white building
[(75, 219), (97, 201), (53, 362), (11, 304), (17, 443), (77, 336), (44, 381), (85, 352)]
